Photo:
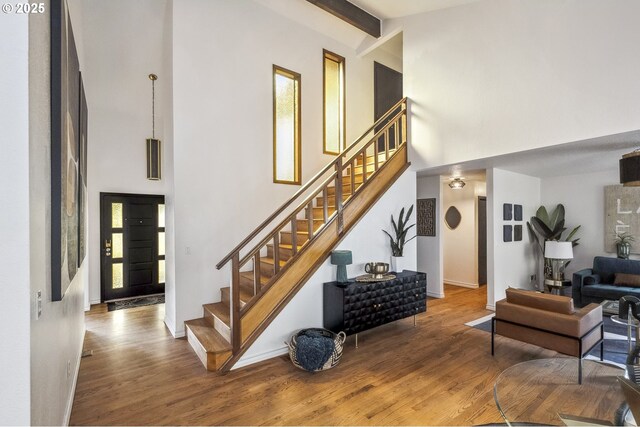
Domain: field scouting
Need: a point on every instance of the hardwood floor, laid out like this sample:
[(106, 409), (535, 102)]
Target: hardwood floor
[(438, 373)]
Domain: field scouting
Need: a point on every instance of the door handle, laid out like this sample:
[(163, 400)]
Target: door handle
[(107, 248)]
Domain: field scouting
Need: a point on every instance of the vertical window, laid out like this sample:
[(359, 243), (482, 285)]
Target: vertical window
[(286, 126), (334, 103)]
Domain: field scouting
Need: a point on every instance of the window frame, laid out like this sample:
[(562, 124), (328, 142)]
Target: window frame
[(326, 54), (297, 167)]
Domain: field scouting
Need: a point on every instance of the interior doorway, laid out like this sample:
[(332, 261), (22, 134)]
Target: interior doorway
[(132, 239), (387, 91), (464, 229)]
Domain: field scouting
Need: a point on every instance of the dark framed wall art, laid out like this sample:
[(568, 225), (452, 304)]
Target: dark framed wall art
[(67, 222), (426, 221)]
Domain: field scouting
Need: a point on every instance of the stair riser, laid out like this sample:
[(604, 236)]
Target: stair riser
[(266, 269), (303, 225), (226, 297), (346, 190), (222, 328), (370, 169), (285, 238), (248, 282), (284, 253), (318, 213), (331, 200)]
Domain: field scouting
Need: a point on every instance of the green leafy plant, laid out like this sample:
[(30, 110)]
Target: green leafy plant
[(400, 230), (624, 238), (545, 226)]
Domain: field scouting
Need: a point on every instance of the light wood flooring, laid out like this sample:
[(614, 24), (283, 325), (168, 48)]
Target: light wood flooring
[(438, 373)]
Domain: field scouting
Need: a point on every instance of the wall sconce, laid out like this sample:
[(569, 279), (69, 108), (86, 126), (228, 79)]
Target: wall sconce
[(457, 183), (630, 169), (154, 146)]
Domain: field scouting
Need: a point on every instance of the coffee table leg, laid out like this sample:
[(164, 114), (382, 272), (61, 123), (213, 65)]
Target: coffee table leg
[(629, 337)]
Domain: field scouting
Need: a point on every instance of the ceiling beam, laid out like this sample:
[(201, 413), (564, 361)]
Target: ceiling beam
[(352, 14)]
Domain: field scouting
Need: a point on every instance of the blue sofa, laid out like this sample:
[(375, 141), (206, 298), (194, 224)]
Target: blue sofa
[(596, 284)]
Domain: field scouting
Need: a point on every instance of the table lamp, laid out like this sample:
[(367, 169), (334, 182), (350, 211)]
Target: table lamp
[(341, 259), (557, 252)]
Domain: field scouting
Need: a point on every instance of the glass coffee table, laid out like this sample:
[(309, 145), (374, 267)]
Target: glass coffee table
[(537, 391)]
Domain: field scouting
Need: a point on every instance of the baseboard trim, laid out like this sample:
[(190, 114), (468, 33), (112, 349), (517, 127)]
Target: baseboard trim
[(176, 333), (72, 395), (461, 284), (246, 361), (435, 294), (491, 307)]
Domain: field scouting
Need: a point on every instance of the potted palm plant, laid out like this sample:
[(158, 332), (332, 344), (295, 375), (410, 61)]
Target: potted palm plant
[(623, 244), (399, 239)]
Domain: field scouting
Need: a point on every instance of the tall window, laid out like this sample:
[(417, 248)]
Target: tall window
[(286, 126), (334, 103)]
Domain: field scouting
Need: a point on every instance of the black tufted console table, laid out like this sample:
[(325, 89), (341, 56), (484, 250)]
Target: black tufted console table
[(355, 307)]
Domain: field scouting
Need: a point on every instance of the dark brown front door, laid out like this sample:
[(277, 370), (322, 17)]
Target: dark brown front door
[(132, 237)]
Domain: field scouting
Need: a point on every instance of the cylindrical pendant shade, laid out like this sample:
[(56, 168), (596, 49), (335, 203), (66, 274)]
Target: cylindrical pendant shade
[(154, 159), (630, 169)]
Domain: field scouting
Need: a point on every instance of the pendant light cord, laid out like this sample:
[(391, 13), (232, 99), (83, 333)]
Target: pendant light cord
[(153, 109)]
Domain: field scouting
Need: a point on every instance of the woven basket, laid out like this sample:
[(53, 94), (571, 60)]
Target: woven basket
[(338, 340)]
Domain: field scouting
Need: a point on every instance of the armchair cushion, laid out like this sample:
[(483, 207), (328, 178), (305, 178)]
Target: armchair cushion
[(591, 279), (554, 303)]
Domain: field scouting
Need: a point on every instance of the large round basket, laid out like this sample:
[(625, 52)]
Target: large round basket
[(338, 340)]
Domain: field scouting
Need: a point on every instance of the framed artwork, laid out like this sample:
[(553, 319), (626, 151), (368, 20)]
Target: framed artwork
[(507, 233), (507, 213), (517, 212), (621, 215), (82, 180), (426, 215), (65, 146), (517, 233)]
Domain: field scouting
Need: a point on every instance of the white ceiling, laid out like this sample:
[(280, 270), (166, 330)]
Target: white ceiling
[(386, 9), (591, 155)]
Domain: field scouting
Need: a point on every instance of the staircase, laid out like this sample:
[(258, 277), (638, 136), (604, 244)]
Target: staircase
[(273, 262)]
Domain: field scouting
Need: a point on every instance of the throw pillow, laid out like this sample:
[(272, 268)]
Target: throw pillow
[(630, 280)]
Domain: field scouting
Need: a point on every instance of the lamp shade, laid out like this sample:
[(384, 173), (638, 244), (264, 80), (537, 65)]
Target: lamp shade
[(558, 250), (630, 169), (341, 258)]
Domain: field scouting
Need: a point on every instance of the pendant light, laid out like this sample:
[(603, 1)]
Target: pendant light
[(154, 147), (630, 169), (457, 183)]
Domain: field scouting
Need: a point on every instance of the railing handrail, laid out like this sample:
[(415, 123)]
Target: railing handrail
[(305, 187)]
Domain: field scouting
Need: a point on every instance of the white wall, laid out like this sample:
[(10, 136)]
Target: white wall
[(57, 336), (367, 243), (460, 246), (430, 257), (513, 262), (122, 42), (223, 55), (14, 221), (583, 198), (500, 76)]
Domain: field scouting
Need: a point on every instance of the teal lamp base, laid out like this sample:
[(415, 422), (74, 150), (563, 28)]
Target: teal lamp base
[(341, 276)]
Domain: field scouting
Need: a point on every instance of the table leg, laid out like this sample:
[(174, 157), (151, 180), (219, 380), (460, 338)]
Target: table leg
[(356, 340), (414, 320), (629, 336)]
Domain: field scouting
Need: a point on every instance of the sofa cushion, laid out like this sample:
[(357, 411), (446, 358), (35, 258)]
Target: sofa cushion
[(630, 280), (548, 302), (609, 292), (606, 267)]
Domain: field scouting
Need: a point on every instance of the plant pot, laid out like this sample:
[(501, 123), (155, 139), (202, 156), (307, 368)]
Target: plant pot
[(624, 250), (398, 263)]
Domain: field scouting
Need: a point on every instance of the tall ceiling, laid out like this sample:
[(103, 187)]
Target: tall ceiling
[(387, 9)]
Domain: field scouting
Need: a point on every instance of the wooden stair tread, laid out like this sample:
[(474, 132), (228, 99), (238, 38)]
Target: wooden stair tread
[(220, 310), (248, 275), (209, 338), (267, 260)]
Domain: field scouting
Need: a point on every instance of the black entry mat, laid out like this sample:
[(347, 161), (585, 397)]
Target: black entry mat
[(135, 302)]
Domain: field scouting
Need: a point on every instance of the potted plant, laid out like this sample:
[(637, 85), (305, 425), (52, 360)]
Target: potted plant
[(397, 242), (623, 244), (550, 226)]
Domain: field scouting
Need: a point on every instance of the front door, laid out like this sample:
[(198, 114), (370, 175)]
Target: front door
[(132, 245)]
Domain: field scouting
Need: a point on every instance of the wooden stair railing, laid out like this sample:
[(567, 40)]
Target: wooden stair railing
[(320, 208)]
